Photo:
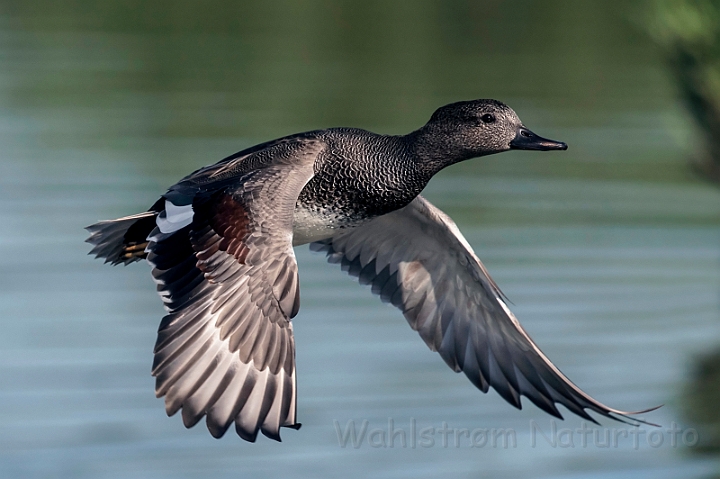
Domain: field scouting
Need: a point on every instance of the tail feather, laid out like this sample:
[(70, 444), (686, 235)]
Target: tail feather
[(122, 240)]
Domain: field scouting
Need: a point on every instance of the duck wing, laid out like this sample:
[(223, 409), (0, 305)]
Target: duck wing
[(224, 265), (417, 259)]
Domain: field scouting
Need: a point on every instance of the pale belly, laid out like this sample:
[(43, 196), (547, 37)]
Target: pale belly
[(312, 225)]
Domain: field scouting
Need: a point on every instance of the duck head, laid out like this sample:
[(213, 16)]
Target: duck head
[(469, 129)]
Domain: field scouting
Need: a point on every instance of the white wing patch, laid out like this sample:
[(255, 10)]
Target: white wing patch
[(174, 217)]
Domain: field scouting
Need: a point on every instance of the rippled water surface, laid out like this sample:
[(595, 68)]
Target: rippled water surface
[(610, 252)]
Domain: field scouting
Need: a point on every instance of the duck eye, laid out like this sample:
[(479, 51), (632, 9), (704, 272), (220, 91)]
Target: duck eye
[(488, 118)]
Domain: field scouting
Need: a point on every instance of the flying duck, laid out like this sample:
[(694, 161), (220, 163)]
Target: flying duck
[(220, 244)]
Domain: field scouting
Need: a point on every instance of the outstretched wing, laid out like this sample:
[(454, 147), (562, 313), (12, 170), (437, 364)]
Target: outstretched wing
[(417, 259), (224, 265)]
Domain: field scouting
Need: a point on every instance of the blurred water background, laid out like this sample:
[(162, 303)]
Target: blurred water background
[(610, 251)]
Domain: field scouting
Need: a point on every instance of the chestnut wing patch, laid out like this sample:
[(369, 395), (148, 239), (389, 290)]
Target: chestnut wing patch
[(226, 226)]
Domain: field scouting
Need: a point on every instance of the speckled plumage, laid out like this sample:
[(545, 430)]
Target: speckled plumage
[(220, 245), (346, 190), (345, 174)]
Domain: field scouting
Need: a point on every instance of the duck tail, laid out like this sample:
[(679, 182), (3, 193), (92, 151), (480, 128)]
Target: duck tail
[(122, 240)]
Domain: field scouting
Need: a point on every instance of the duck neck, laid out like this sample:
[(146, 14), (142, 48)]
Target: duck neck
[(433, 149)]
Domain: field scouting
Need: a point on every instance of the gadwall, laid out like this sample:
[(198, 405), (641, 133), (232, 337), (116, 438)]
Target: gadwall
[(220, 243)]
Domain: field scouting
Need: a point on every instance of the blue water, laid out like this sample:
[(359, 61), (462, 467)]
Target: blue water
[(610, 254)]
